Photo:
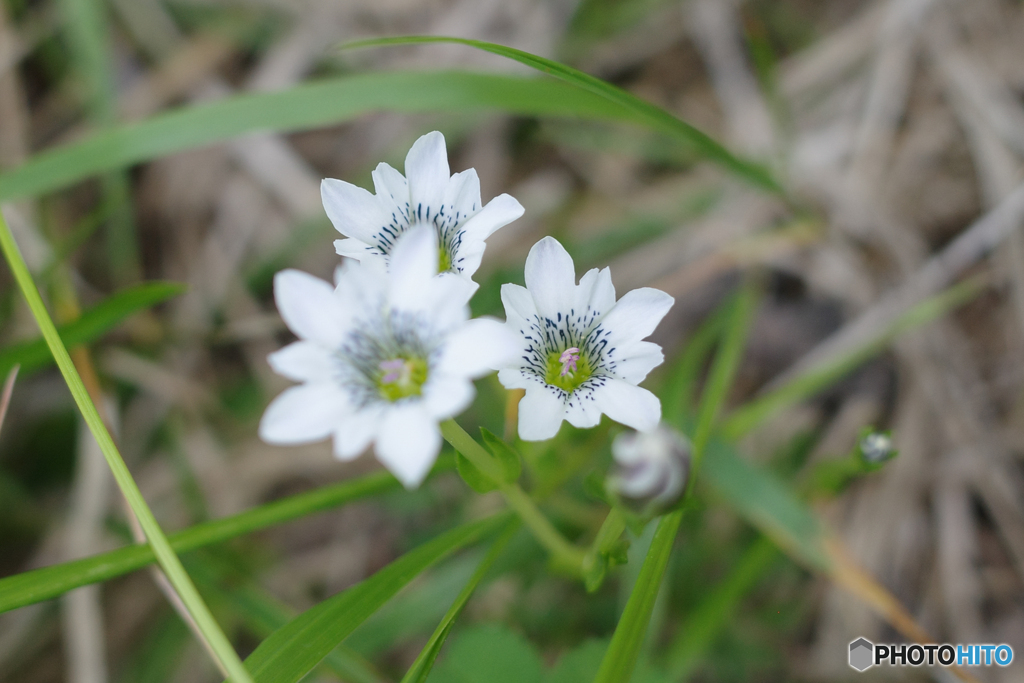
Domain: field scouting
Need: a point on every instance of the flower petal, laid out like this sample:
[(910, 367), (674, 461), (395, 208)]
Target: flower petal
[(540, 413), (628, 404), (407, 443), (356, 249), (426, 169), (635, 361), (303, 361), (446, 396), (551, 278), (353, 211), (636, 314), (518, 303), (392, 194), (462, 196), (515, 378), (498, 213), (355, 433), (595, 294), (478, 347), (310, 308), (582, 411), (303, 414)]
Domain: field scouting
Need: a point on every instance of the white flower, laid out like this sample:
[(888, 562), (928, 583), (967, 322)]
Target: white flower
[(651, 468), (581, 352), (383, 357), (425, 195)]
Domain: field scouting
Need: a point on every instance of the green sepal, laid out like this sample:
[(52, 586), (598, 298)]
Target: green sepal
[(507, 457), (474, 478)]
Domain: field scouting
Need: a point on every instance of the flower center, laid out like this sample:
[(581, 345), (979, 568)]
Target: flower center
[(444, 261), (568, 369), (401, 377)]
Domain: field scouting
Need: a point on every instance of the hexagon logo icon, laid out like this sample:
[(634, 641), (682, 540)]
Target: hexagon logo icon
[(862, 654)]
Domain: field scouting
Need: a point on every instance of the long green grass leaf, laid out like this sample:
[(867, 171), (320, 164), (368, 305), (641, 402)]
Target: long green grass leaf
[(93, 324), (650, 115), (169, 562), (817, 378), (420, 668), (627, 641), (621, 656), (303, 107), (292, 651), (50, 582)]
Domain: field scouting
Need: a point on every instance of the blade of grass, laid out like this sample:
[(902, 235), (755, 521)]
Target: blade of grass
[(293, 650), (49, 582), (420, 668), (744, 419), (86, 26), (701, 628), (35, 354), (627, 641), (651, 115), (300, 108), (263, 614), (165, 555)]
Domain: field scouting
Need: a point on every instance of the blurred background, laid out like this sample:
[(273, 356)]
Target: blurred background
[(897, 129)]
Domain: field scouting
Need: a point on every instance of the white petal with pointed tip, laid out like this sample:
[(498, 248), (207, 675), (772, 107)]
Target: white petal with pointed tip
[(354, 434), (408, 442), (426, 170), (303, 414), (636, 314), (353, 211), (447, 396), (550, 277), (629, 404), (498, 213), (302, 361), (540, 414), (478, 347), (310, 308)]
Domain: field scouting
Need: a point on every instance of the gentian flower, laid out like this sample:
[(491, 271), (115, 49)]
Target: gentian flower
[(651, 469), (426, 195), (382, 357), (581, 352)]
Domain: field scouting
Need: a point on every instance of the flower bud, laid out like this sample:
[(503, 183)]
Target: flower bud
[(876, 448), (651, 468)]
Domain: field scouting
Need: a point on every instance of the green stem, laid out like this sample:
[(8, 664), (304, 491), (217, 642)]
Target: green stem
[(161, 548), (564, 553)]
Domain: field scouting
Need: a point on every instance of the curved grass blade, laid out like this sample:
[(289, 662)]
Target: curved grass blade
[(169, 562), (650, 115), (620, 658), (292, 651), (50, 582), (627, 641), (420, 669), (742, 420), (303, 107), (35, 354)]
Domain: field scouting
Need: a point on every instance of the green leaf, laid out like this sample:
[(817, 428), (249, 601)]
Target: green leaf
[(91, 325), (643, 112), (624, 650), (169, 562), (471, 474), (292, 651), (767, 502), (490, 653), (701, 628), (50, 582), (507, 457), (421, 668), (302, 107), (817, 378)]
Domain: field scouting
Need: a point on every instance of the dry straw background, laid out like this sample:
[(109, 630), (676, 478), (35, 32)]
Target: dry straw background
[(898, 126)]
